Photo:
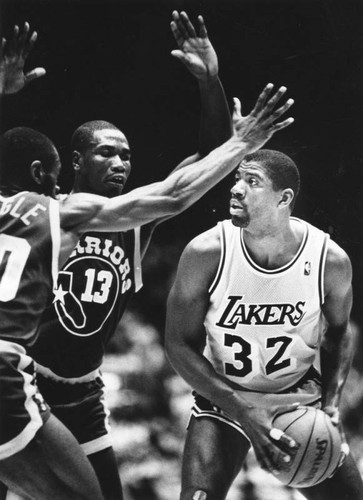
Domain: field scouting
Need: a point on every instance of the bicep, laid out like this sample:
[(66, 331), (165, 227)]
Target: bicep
[(188, 301), (339, 295)]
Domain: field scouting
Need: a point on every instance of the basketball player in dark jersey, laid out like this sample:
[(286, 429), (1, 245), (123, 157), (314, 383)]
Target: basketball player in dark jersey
[(257, 322), (104, 270), (38, 457)]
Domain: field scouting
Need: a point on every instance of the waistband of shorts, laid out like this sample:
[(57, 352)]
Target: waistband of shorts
[(48, 373)]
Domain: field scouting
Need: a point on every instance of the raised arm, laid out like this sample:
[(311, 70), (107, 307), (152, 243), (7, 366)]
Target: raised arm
[(196, 52), (184, 186), (14, 53), (338, 343)]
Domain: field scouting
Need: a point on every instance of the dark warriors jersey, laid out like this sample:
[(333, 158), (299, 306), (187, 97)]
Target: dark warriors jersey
[(92, 291), (29, 249)]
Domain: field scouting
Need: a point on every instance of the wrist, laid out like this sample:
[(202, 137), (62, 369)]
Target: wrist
[(208, 80)]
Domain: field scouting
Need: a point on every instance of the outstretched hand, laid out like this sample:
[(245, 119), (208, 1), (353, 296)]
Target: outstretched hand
[(259, 126), (195, 49), (14, 53)]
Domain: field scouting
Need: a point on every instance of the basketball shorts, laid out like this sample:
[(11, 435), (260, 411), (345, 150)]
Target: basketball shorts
[(81, 407), (307, 392), (22, 408)]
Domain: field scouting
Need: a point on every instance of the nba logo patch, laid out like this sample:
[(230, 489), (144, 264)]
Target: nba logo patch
[(307, 268)]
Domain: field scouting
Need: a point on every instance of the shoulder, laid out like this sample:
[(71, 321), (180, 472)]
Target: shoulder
[(200, 258), (338, 268), (206, 245)]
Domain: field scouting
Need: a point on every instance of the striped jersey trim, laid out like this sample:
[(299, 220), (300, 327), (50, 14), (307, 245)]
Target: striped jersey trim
[(280, 269), (54, 220), (48, 373), (198, 413), (137, 261), (102, 442), (221, 260), (20, 441), (322, 262)]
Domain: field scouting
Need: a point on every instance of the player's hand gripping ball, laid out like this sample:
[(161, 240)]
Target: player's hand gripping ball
[(319, 450)]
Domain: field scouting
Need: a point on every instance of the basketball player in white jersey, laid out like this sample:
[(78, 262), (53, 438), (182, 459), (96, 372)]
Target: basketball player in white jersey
[(257, 300), (39, 458)]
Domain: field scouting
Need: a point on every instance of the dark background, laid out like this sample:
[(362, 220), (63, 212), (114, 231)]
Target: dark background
[(111, 60)]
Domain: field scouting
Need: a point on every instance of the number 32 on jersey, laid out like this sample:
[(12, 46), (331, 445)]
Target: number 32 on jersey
[(247, 356)]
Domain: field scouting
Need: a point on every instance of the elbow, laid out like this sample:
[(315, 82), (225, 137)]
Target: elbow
[(178, 203)]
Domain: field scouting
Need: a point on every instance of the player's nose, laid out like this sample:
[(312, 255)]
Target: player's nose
[(118, 165), (238, 189)]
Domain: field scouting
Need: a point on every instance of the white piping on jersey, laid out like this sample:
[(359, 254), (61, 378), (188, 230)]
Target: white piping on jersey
[(54, 220), (48, 373), (221, 260), (137, 261), (21, 440), (263, 270), (97, 444)]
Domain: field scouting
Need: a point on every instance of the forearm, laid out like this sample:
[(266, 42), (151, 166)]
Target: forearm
[(336, 359), (215, 120), (199, 373)]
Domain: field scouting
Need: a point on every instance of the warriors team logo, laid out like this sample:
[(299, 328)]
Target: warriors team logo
[(84, 304)]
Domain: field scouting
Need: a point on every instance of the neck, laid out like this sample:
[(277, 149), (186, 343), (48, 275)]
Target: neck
[(276, 245)]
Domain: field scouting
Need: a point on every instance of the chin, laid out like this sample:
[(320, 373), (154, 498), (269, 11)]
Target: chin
[(239, 222)]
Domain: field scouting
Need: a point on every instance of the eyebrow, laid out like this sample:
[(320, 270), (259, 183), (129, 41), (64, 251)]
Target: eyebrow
[(125, 149), (250, 171)]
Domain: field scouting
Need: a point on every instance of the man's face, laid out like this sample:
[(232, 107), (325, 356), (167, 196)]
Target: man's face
[(253, 198), (105, 166)]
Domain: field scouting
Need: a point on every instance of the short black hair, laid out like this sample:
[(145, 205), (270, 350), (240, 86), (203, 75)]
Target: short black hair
[(20, 146), (83, 135), (280, 168)]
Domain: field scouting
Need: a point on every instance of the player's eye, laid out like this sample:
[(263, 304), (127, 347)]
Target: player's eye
[(106, 152)]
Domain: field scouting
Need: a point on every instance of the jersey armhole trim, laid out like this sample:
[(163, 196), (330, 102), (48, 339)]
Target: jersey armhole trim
[(54, 220), (137, 261), (322, 262), (221, 260)]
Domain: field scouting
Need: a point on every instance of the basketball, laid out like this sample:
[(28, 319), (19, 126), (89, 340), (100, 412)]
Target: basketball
[(320, 446)]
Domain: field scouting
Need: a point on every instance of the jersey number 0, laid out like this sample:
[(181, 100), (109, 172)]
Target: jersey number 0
[(14, 253)]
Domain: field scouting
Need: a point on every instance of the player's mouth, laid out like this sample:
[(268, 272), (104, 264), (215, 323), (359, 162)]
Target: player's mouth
[(117, 180), (236, 207)]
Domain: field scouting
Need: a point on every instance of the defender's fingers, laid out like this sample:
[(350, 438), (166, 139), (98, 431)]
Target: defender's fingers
[(237, 108), (281, 125), (275, 116), (23, 36), (28, 47), (180, 24), (202, 28), (188, 25), (33, 74), (271, 103), (177, 35), (12, 44), (261, 100)]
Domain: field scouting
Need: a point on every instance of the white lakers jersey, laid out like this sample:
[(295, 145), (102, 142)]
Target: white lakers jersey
[(264, 327)]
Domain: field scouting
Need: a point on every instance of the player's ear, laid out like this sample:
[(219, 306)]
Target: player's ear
[(37, 171), (287, 195), (76, 155)]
